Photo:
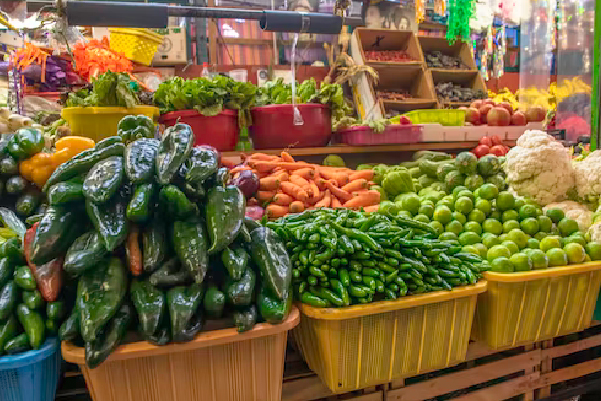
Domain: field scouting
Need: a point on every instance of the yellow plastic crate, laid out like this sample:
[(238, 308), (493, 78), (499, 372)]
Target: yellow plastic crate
[(101, 122), (447, 117), (137, 44), (365, 345), (521, 308)]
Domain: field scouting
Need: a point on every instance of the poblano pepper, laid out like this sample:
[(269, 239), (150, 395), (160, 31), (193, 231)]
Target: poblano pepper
[(99, 294), (66, 191), (6, 271), (154, 244), (214, 302), (245, 319), (57, 230), (224, 213), (190, 244), (139, 207), (270, 255), (149, 302), (8, 330), (70, 329), (235, 259), (104, 179), (139, 160), (8, 299), (175, 203), (25, 143), (110, 220), (174, 149), (185, 312), (169, 274), (240, 293), (109, 338), (133, 127), (272, 309), (85, 252), (202, 163)]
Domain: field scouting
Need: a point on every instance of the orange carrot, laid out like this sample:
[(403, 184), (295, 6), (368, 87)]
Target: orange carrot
[(286, 157), (326, 201), (335, 202), (282, 176), (238, 169), (282, 199), (270, 183), (366, 174), (295, 191), (337, 192), (356, 185), (296, 207), (273, 211), (261, 156), (370, 209), (265, 196), (268, 166), (298, 180), (368, 198), (307, 173), (314, 189)]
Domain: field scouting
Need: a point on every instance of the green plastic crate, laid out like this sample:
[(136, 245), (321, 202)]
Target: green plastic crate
[(448, 117)]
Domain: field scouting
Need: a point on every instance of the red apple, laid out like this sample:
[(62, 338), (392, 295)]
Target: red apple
[(484, 111), (507, 106), (518, 118), (404, 120), (489, 101), (498, 116), (472, 115), (476, 104), (535, 113)]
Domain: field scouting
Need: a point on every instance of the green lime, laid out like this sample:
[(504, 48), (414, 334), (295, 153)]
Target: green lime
[(492, 226), (593, 249), (427, 202), (497, 251), (557, 257), (454, 227), (437, 226), (489, 240), (489, 191), (556, 215), (567, 226), (458, 189), (587, 258), (469, 238), (483, 205), (575, 253), (442, 214), (426, 209), (501, 264), (540, 235), (577, 238), (465, 192), (477, 193), (529, 225), (411, 203), (464, 205), (510, 225), (447, 235), (509, 215), (477, 215), (521, 262), (519, 202), (471, 249), (472, 226), (495, 214), (405, 214), (549, 242), (539, 259), (516, 235), (533, 243), (512, 246), (474, 181), (527, 251), (544, 224), (527, 211), (459, 217), (503, 237), (539, 211), (422, 218), (481, 248), (505, 200)]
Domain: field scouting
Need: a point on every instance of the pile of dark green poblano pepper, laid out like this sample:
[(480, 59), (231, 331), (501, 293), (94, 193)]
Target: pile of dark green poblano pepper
[(343, 257), (141, 230)]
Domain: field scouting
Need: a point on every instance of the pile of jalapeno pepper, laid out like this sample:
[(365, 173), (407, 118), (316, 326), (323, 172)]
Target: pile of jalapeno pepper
[(343, 257), (151, 232)]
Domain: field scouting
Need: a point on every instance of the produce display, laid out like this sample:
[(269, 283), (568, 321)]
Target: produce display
[(490, 145), (501, 114), (344, 257), (437, 59), (108, 90), (393, 95), (395, 56), (451, 92)]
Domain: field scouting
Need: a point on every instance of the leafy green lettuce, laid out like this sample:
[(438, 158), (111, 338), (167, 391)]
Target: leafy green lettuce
[(108, 90)]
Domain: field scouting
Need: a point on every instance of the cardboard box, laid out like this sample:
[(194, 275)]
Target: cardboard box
[(173, 49)]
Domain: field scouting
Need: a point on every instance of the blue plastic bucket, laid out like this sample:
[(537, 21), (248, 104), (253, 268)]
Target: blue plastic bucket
[(32, 375)]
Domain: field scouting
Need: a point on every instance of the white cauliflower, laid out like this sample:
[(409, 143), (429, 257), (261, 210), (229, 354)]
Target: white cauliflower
[(574, 211), (595, 232), (588, 176), (540, 168)]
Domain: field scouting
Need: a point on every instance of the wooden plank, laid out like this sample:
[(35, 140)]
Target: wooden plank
[(529, 395), (546, 366), (213, 34), (306, 389), (571, 348), (466, 378), (504, 390), (571, 372), (477, 350), (377, 396)]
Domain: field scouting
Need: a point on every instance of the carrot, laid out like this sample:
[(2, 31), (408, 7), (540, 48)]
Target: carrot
[(282, 199), (295, 191), (341, 178), (261, 156), (356, 185), (326, 201), (335, 202), (238, 169), (366, 174), (265, 196), (370, 209), (307, 173), (268, 166), (282, 176), (314, 189), (337, 192), (368, 198), (270, 183), (272, 211), (298, 180), (296, 207), (286, 157)]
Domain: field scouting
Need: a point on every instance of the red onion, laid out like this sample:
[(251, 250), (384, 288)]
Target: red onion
[(248, 183)]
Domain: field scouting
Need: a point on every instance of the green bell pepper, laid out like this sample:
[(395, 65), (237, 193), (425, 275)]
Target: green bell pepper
[(25, 143), (133, 127), (184, 312), (224, 213), (97, 350), (174, 149)]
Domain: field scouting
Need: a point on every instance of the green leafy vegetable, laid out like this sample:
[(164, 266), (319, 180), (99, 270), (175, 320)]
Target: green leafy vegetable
[(108, 90)]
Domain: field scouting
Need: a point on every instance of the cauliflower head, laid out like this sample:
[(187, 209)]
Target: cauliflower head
[(574, 211), (595, 232), (540, 168), (588, 176)]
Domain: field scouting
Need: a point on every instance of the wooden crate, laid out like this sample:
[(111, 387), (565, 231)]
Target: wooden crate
[(386, 39), (468, 79), (458, 49)]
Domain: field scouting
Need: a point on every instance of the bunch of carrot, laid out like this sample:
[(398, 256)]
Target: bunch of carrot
[(290, 186)]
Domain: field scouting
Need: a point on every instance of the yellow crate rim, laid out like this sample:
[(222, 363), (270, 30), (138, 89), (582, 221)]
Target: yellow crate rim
[(69, 111), (355, 311), (540, 274), (144, 33)]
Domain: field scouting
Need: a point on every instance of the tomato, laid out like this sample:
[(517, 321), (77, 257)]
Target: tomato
[(506, 148), (496, 140), (498, 150), (481, 150), (485, 141)]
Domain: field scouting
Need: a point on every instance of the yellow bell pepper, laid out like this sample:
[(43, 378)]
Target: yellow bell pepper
[(76, 144)]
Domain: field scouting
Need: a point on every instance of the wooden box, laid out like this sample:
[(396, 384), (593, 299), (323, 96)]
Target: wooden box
[(466, 79), (386, 39), (458, 49)]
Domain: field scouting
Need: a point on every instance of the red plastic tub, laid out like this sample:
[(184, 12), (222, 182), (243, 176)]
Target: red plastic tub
[(273, 128), (393, 134), (220, 131)]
